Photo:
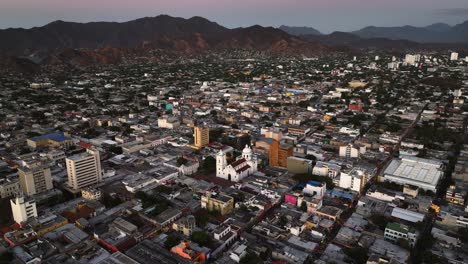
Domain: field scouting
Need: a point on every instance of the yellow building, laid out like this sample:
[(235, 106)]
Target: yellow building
[(201, 136), (54, 140), (224, 204)]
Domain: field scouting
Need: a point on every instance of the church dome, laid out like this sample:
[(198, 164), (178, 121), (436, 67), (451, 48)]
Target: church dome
[(247, 150)]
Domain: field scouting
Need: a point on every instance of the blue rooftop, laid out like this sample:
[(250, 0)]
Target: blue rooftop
[(341, 194), (58, 137), (315, 183)]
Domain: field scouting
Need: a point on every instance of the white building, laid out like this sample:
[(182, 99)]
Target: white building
[(23, 209), (84, 169), (168, 122), (419, 172), (245, 165), (395, 231), (137, 182), (91, 193), (453, 56), (410, 59), (354, 180), (326, 169), (350, 151), (315, 188)]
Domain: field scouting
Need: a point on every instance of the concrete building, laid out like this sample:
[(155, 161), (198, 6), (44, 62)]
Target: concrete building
[(91, 193), (419, 172), (350, 151), (217, 202), (279, 153), (9, 187), (84, 169), (23, 209), (168, 122), (453, 56), (299, 165), (54, 140), (201, 136), (395, 231), (355, 180), (315, 188), (35, 177)]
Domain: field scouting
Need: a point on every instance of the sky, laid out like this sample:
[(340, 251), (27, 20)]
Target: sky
[(324, 15)]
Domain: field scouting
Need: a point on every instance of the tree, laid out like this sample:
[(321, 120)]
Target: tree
[(380, 220), (283, 220), (181, 161), (171, 241), (357, 254), (116, 150), (304, 206), (463, 234), (250, 258), (202, 238), (404, 243), (209, 164), (6, 257)]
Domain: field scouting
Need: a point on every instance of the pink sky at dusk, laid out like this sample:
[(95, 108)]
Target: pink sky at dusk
[(325, 15)]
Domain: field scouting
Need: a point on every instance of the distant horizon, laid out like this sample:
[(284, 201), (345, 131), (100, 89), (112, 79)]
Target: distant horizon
[(230, 27), (324, 15)]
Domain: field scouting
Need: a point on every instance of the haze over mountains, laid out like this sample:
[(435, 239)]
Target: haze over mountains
[(435, 33)]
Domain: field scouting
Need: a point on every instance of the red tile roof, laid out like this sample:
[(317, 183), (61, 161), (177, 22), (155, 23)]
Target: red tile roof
[(238, 162)]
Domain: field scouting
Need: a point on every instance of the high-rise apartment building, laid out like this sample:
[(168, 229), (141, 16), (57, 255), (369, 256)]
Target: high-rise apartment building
[(201, 136), (35, 177), (279, 154), (23, 209), (84, 169)]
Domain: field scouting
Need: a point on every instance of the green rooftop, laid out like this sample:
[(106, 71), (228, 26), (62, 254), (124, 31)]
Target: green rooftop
[(399, 228)]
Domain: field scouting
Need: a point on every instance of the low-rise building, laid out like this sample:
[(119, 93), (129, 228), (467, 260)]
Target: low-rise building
[(395, 231), (224, 204)]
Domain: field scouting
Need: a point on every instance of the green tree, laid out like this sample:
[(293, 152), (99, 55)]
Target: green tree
[(250, 258), (202, 238), (304, 206), (209, 164), (357, 254), (171, 241), (404, 243)]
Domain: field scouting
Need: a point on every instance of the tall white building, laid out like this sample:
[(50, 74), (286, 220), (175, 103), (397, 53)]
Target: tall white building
[(350, 151), (354, 180), (84, 169), (453, 56), (35, 177), (23, 209), (245, 165), (410, 59)]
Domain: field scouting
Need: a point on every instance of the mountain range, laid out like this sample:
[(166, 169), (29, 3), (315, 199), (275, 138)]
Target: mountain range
[(298, 31), (161, 32), (435, 33), (82, 44)]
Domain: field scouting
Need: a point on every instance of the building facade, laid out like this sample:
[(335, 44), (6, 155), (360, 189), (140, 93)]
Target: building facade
[(84, 169), (201, 136), (279, 154), (23, 209), (245, 165), (224, 204), (35, 177)]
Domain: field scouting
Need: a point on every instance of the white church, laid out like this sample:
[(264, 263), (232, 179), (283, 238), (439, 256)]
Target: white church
[(245, 165)]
